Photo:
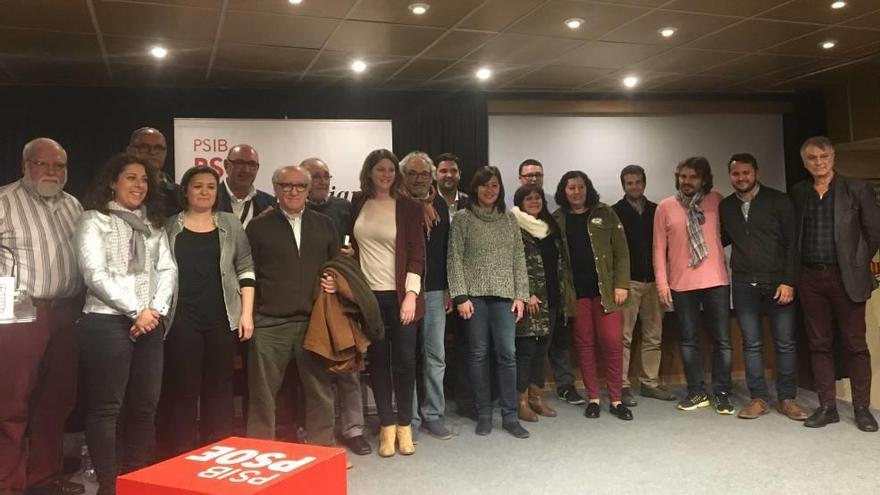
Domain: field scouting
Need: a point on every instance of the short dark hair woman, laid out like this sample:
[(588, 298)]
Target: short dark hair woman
[(130, 277), (595, 285), (388, 239), (489, 284), (213, 311), (543, 245)]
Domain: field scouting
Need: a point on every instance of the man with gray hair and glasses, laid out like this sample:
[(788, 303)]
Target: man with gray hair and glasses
[(418, 171), (38, 359), (148, 145)]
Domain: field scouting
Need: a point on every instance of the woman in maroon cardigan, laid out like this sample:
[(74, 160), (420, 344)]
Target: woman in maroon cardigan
[(388, 240)]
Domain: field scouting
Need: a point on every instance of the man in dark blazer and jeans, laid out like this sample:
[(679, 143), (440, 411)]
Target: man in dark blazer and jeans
[(839, 232)]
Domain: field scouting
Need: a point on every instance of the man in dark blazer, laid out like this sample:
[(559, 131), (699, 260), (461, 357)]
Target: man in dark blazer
[(839, 232), (237, 193)]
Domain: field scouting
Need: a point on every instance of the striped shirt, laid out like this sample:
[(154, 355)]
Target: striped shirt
[(40, 232)]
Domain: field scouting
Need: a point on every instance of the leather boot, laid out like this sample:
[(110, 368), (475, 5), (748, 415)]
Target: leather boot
[(537, 403), (386, 440), (405, 440), (524, 410)]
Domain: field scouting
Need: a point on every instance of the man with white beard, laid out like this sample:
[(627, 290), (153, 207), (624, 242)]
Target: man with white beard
[(38, 359)]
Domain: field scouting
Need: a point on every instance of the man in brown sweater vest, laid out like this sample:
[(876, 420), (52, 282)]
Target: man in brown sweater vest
[(289, 246)]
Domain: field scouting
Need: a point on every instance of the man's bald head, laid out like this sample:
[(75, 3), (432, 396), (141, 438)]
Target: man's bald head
[(320, 175), (148, 145)]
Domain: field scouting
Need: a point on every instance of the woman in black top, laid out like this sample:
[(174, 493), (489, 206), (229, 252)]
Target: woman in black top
[(213, 310)]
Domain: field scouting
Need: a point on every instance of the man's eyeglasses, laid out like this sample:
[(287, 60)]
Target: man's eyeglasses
[(292, 186), (418, 175), (533, 175), (244, 164), (56, 166), (322, 177), (148, 148)]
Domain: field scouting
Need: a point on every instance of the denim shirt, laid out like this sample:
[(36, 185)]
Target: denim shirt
[(236, 263)]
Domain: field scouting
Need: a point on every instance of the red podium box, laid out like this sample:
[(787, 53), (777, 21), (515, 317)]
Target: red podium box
[(243, 466)]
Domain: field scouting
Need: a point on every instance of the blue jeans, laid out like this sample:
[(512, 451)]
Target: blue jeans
[(715, 302), (433, 333), (492, 319), (750, 303)]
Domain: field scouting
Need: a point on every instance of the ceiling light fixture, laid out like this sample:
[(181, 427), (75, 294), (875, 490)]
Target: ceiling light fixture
[(838, 5), (295, 2), (828, 44), (158, 52), (630, 81), (419, 8), (483, 73), (358, 66), (574, 22), (667, 32)]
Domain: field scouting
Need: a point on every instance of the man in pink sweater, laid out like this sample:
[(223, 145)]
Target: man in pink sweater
[(691, 273)]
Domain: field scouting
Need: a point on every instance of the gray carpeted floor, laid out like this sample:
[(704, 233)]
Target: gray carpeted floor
[(662, 451)]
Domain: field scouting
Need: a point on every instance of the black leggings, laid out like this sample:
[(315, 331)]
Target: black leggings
[(392, 364), (530, 353)]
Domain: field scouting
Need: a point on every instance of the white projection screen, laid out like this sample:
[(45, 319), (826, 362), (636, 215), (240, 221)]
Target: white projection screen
[(602, 145), (342, 144)]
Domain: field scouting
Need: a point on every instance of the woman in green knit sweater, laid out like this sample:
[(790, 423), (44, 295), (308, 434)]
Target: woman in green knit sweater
[(489, 284)]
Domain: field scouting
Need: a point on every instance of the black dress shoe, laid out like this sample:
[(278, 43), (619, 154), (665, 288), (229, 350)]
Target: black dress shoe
[(484, 426), (358, 445), (58, 487), (621, 411), (515, 429), (823, 415), (592, 410), (864, 419)]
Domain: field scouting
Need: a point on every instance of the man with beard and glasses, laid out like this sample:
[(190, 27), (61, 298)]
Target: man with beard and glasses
[(448, 176), (690, 272), (149, 146), (759, 223), (418, 171), (238, 194), (38, 360)]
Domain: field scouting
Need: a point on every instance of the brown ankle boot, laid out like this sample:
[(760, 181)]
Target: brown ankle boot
[(537, 403), (524, 411), (405, 441), (387, 436)]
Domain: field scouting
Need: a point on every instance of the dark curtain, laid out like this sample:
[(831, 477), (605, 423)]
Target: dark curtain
[(93, 123)]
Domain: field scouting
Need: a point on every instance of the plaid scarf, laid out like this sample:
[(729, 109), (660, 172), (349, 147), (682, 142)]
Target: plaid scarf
[(695, 220), (430, 217)]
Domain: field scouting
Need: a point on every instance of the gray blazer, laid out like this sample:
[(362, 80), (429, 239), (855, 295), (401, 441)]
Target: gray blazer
[(236, 262), (856, 231)]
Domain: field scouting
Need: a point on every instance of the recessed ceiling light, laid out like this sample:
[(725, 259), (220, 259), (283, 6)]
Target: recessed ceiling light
[(158, 52), (358, 66), (838, 5), (630, 81), (828, 44), (419, 8), (484, 73), (667, 31), (574, 22), (295, 2)]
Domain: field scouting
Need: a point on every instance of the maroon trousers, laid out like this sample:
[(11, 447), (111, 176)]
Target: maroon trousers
[(38, 372), (824, 298), (593, 325)]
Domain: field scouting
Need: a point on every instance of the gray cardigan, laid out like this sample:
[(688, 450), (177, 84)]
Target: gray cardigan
[(236, 263), (486, 256)]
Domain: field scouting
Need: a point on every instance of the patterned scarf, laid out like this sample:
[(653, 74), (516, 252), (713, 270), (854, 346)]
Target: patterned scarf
[(695, 220), (429, 213), (127, 247)]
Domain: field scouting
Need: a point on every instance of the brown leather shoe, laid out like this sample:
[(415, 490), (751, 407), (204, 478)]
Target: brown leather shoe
[(523, 410), (753, 409), (792, 410), (538, 404)]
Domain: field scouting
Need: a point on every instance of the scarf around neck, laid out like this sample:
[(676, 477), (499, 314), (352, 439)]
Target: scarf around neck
[(536, 227), (139, 231), (695, 219), (429, 213)]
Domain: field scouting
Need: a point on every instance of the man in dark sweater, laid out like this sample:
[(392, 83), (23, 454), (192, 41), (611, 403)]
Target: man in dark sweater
[(348, 385), (636, 213), (418, 172), (289, 246), (759, 223), (148, 145)]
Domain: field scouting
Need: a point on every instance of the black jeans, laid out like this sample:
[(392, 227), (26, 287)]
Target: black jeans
[(715, 302), (198, 371), (392, 364), (530, 352), (122, 384)]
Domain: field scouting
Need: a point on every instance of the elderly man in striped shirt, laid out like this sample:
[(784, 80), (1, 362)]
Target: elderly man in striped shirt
[(38, 360)]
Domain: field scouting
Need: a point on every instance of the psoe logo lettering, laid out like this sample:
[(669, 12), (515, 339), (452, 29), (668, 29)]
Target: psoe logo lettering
[(246, 465)]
